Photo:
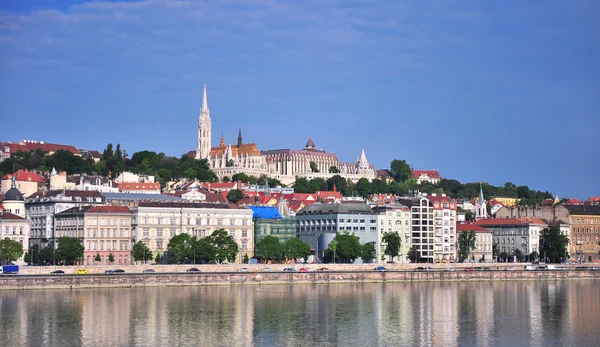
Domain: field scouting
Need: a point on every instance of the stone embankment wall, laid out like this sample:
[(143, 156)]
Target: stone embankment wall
[(66, 281), (100, 269)]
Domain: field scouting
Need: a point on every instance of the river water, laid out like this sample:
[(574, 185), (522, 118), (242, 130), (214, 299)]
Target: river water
[(520, 313)]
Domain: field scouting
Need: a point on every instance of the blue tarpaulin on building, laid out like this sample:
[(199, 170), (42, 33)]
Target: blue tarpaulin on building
[(266, 212)]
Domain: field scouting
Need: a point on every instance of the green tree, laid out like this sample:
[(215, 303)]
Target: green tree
[(363, 187), (158, 258), (69, 250), (341, 185), (333, 169), (245, 259), (348, 247), (64, 160), (368, 252), (466, 243), (10, 250), (302, 185), (190, 173), (111, 258), (225, 179), (180, 246), (204, 250), (225, 245), (414, 255), (332, 248), (241, 177), (270, 248), (495, 250), (318, 184), (393, 242), (235, 195), (313, 167), (141, 252), (553, 244), (296, 248), (97, 258), (518, 254), (400, 170)]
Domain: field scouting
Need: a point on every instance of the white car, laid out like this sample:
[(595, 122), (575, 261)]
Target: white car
[(244, 269), (267, 269), (451, 269)]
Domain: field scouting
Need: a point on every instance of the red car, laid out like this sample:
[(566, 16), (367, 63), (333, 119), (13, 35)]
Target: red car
[(304, 270), (322, 269)]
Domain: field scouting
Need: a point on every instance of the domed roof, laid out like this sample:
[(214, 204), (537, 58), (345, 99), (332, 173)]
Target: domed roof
[(13, 194)]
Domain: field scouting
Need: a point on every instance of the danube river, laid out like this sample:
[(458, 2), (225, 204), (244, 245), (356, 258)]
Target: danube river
[(519, 313)]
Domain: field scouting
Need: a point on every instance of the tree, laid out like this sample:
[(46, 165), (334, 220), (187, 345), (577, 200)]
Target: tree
[(348, 247), (313, 167), (302, 185), (97, 258), (225, 245), (180, 246), (363, 187), (111, 258), (241, 177), (518, 254), (332, 247), (553, 244), (190, 173), (10, 250), (141, 252), (368, 252), (533, 256), (466, 243), (235, 195), (392, 241), (414, 255), (225, 179), (296, 248), (69, 250), (495, 250), (204, 250), (400, 170), (158, 258), (245, 259), (270, 248), (318, 184), (333, 169)]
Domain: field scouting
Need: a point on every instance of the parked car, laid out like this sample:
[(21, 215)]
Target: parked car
[(419, 269), (267, 269), (193, 269), (509, 269), (304, 269), (451, 269), (289, 269), (148, 271), (244, 269), (81, 272), (322, 269), (57, 272), (381, 268), (469, 269)]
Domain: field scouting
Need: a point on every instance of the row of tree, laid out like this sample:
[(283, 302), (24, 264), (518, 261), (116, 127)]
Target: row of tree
[(271, 249)]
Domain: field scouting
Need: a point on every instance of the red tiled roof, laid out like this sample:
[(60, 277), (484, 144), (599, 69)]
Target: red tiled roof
[(329, 195), (304, 196), (428, 173), (472, 227), (595, 198), (138, 186), (109, 209), (23, 176), (95, 154), (8, 215), (45, 147), (509, 221)]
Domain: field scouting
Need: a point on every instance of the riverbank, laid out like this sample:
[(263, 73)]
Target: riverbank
[(132, 280)]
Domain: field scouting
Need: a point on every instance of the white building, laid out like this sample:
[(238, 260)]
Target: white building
[(481, 210), (511, 234), (155, 223), (394, 218), (431, 176), (130, 177), (13, 224)]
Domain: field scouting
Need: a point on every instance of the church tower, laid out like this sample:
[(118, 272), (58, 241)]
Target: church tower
[(204, 130), (481, 212)]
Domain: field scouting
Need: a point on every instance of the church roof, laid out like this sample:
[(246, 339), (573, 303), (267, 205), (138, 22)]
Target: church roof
[(249, 149), (23, 175), (310, 143)]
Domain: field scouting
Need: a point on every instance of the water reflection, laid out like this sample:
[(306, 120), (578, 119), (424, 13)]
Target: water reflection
[(558, 313)]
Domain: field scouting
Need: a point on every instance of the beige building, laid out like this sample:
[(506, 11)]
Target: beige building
[(483, 241), (15, 228), (103, 230), (27, 182), (394, 218), (155, 223)]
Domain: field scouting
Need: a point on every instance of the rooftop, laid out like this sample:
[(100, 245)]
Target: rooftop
[(344, 208)]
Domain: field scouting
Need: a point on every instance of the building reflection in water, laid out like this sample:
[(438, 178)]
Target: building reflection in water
[(440, 314)]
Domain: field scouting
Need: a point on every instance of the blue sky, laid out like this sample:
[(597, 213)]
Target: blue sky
[(489, 91)]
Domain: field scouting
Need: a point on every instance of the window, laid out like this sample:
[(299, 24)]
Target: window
[(173, 232), (244, 233), (173, 221), (101, 245), (159, 232), (159, 244), (244, 245), (232, 233), (146, 232)]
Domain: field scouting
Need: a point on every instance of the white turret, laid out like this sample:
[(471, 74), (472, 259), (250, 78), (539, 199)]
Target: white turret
[(204, 130)]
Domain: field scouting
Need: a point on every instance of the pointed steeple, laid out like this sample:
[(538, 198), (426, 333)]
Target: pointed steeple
[(222, 143), (53, 173), (267, 191), (282, 207), (480, 193), (204, 100), (240, 137), (14, 181)]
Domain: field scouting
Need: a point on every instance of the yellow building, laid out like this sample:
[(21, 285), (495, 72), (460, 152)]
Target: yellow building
[(507, 201), (585, 232)]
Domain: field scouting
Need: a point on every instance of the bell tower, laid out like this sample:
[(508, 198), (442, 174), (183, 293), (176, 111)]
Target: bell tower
[(204, 130)]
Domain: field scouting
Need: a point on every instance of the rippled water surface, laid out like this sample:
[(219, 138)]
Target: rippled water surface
[(524, 313)]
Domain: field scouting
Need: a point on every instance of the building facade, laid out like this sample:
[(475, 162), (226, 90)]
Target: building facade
[(269, 222), (155, 223), (584, 223), (390, 219), (431, 176), (512, 234), (433, 219), (27, 182), (102, 230), (483, 241), (41, 208), (318, 225)]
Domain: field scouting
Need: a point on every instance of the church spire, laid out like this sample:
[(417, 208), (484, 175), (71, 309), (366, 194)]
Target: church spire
[(240, 137), (480, 193), (204, 101), (222, 143)]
